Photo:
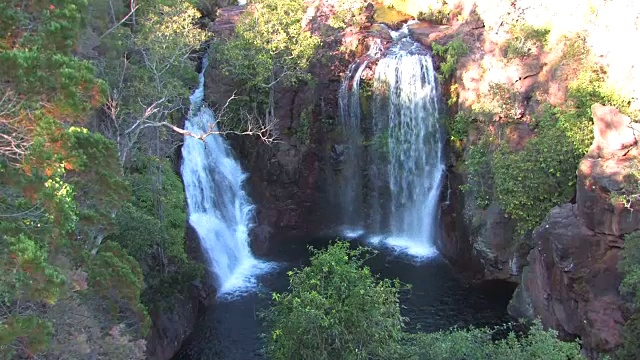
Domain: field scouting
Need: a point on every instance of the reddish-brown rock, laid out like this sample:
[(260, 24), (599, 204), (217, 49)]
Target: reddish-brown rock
[(572, 282), (597, 180), (612, 132), (226, 18), (604, 171)]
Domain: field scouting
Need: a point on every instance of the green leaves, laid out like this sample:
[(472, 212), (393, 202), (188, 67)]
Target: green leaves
[(629, 265), (479, 173), (117, 277), (531, 181), (336, 309), (270, 49), (450, 53), (524, 40)]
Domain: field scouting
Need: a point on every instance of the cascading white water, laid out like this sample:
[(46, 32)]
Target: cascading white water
[(219, 209), (406, 82), (349, 102)]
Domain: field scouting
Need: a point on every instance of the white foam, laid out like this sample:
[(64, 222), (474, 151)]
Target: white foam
[(351, 232)]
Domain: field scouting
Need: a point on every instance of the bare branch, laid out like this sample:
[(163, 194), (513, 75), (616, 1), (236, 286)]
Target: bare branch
[(14, 137), (133, 10)]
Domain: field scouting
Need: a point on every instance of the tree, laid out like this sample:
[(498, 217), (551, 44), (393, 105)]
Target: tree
[(479, 344), (149, 72), (336, 309), (271, 48)]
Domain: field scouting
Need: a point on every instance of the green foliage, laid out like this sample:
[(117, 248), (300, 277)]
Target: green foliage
[(270, 49), (450, 53), (35, 55), (379, 142), (25, 276), (31, 331), (117, 277), (630, 191), (529, 182), (148, 69), (346, 13), (336, 309), (587, 89), (505, 101), (62, 193), (524, 40), (479, 174), (478, 344), (151, 228), (459, 125), (629, 265), (440, 15), (98, 184), (303, 132), (159, 192)]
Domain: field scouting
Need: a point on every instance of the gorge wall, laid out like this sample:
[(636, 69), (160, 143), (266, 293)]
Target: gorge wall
[(500, 94), (572, 280), (293, 180), (567, 264)]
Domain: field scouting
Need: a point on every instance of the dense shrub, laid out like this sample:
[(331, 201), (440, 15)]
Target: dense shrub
[(629, 265), (524, 40), (337, 309), (531, 181), (450, 53)]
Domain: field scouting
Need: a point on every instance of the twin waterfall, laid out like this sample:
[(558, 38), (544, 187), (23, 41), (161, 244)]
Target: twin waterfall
[(391, 175), (219, 209), (398, 149)]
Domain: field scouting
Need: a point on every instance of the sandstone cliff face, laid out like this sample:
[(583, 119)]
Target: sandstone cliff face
[(541, 77), (293, 181), (572, 281)]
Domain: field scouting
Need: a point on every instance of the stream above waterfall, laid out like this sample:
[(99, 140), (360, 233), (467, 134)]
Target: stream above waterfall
[(437, 300)]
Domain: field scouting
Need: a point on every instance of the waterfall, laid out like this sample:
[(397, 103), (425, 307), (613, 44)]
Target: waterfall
[(405, 85), (405, 166), (219, 209), (349, 103)]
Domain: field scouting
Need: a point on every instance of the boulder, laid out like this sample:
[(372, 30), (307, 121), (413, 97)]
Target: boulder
[(605, 170), (572, 282), (614, 133), (493, 236), (598, 179)]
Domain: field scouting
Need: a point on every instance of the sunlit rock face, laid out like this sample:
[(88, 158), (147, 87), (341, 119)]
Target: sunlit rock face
[(572, 279)]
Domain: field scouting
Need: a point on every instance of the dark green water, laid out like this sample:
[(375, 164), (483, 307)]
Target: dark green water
[(437, 300)]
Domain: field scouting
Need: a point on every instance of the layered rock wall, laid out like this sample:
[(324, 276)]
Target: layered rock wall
[(572, 280)]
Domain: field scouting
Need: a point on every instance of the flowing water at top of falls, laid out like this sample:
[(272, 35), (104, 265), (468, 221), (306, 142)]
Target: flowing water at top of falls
[(405, 85), (219, 209)]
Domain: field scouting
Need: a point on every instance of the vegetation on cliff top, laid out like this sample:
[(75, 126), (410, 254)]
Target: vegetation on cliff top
[(528, 180), (270, 49)]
